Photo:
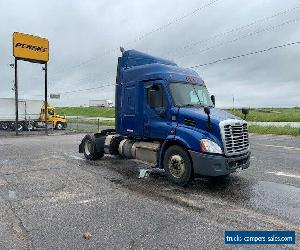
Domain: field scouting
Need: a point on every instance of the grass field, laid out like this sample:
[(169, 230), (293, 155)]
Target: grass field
[(271, 115), (91, 122), (274, 130), (256, 115), (86, 111)]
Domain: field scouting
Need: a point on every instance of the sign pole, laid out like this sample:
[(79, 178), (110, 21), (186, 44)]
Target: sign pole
[(32, 49), (16, 97), (46, 101)]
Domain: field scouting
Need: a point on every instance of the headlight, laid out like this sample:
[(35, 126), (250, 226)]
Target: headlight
[(209, 146)]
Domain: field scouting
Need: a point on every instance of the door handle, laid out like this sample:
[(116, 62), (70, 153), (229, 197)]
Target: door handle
[(162, 114)]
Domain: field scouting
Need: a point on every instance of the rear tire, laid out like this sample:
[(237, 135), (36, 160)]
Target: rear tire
[(89, 148), (20, 126), (4, 126), (178, 166)]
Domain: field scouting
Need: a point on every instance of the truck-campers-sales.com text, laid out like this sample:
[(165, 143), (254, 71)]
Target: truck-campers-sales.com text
[(250, 239)]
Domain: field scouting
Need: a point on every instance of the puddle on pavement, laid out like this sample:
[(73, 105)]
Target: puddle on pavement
[(273, 198), (12, 194), (279, 199)]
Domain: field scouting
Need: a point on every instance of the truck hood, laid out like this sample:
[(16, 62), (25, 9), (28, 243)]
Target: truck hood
[(198, 114), (59, 116), (196, 119)]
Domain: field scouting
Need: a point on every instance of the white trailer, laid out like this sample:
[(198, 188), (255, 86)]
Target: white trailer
[(101, 103), (29, 112)]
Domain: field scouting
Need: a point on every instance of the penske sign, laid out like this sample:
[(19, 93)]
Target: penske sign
[(30, 48)]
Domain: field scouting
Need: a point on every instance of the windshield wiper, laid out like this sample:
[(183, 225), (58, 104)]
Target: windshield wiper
[(189, 105)]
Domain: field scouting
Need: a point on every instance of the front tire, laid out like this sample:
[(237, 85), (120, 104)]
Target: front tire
[(89, 148), (178, 166), (59, 126)]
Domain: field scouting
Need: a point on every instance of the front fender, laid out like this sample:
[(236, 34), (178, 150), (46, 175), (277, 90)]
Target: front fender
[(171, 140), (187, 137)]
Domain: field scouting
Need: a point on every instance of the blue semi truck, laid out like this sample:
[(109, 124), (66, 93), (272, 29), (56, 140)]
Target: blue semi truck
[(166, 117)]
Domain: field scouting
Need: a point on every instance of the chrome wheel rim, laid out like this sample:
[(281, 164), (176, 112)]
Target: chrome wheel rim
[(20, 127), (176, 166), (4, 127), (59, 126)]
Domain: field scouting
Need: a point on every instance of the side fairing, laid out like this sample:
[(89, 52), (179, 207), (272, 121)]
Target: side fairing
[(130, 113)]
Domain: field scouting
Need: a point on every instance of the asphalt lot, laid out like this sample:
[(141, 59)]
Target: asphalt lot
[(51, 196)]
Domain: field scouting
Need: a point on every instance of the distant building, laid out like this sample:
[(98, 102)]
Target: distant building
[(101, 103)]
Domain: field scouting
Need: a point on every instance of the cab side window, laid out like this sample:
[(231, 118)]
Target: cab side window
[(155, 96)]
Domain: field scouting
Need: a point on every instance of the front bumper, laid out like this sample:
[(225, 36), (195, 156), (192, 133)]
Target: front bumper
[(217, 165)]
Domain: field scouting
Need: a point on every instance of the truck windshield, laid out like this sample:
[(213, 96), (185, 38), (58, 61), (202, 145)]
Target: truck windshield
[(187, 94)]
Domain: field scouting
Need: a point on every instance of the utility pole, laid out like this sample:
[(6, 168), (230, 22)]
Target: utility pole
[(233, 103), (16, 97), (46, 98)]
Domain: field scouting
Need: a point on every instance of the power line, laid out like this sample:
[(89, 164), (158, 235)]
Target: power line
[(88, 89), (270, 28), (239, 28), (110, 79), (244, 55), (201, 65), (158, 29), (107, 52), (176, 20), (284, 12)]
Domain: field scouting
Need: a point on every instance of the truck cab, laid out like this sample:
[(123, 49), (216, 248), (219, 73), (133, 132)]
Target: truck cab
[(58, 121), (165, 115)]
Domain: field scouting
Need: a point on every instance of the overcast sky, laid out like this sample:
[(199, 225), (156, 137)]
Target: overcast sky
[(85, 37)]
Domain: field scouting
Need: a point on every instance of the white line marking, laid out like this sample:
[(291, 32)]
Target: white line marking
[(86, 201), (284, 147), (284, 174), (74, 157)]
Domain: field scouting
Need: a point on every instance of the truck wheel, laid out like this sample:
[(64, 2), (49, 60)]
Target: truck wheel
[(25, 127), (89, 148), (4, 126), (20, 126), (59, 126), (177, 165)]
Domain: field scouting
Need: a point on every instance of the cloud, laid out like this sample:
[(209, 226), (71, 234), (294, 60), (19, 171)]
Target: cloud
[(85, 36)]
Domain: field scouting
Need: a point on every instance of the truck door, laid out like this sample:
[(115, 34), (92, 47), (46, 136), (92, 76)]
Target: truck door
[(157, 121), (129, 110)]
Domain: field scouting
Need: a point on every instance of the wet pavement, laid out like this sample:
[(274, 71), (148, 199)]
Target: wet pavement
[(52, 198)]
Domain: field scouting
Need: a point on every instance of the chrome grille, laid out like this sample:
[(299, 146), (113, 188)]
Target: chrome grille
[(235, 136)]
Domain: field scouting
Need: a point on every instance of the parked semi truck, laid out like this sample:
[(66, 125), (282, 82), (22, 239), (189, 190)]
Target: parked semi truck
[(101, 103), (166, 117), (31, 115)]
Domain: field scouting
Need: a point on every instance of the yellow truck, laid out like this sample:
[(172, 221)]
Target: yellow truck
[(31, 115), (57, 121)]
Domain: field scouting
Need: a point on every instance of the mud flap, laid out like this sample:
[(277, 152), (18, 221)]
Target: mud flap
[(81, 147)]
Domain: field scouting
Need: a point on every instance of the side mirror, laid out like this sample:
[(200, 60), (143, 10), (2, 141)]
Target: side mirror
[(245, 112), (207, 111), (213, 99)]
